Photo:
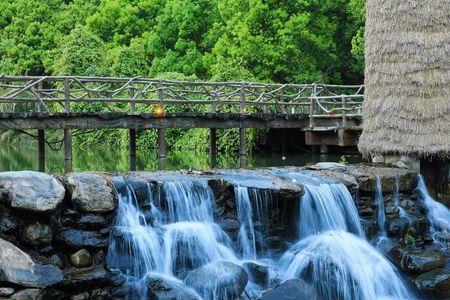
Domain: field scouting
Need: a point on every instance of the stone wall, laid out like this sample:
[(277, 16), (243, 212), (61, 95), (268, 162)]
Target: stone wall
[(54, 230)]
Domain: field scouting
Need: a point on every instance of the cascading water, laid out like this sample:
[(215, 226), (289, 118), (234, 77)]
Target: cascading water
[(381, 216), (331, 252), (438, 214), (333, 256)]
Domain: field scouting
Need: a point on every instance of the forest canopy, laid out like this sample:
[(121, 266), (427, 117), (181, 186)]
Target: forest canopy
[(283, 41)]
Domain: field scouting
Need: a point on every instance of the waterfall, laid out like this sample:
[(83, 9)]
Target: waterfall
[(332, 253), (381, 216), (326, 205), (438, 214)]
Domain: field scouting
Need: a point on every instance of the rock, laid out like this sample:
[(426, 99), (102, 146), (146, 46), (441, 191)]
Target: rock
[(100, 295), (366, 175), (76, 279), (329, 166), (397, 227), (32, 191), (99, 257), (91, 221), (91, 192), (28, 294), (257, 273), (6, 291), (77, 239), (56, 260), (17, 267), (8, 222), (165, 288), (435, 283), (366, 212), (81, 296), (291, 289), (37, 234), (229, 225), (81, 259), (221, 278), (416, 261)]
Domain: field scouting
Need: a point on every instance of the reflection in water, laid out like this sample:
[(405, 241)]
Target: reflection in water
[(108, 159)]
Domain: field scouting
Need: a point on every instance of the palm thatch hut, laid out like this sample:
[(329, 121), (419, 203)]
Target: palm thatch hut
[(407, 80)]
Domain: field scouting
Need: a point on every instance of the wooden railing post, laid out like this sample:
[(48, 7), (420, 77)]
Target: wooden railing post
[(161, 132), (132, 132), (242, 135), (41, 132), (344, 112), (312, 106), (67, 131)]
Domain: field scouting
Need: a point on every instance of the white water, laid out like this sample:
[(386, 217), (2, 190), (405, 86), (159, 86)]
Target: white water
[(331, 252), (438, 214)]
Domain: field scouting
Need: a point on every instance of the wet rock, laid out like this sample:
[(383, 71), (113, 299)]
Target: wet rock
[(17, 267), (416, 261), (291, 289), (164, 288), (329, 166), (77, 239), (366, 175), (6, 291), (28, 294), (8, 222), (257, 273), (91, 192), (32, 191), (81, 259), (397, 227), (366, 212), (100, 294), (37, 234), (99, 257), (81, 296), (91, 221), (218, 278), (435, 283), (229, 225), (56, 260), (76, 279)]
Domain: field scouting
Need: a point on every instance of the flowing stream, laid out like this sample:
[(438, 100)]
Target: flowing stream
[(180, 233)]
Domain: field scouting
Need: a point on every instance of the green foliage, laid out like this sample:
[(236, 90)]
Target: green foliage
[(231, 40)]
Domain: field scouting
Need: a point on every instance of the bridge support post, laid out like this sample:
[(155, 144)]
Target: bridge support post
[(242, 148), (41, 150), (213, 147), (67, 150), (283, 142), (132, 149), (161, 148)]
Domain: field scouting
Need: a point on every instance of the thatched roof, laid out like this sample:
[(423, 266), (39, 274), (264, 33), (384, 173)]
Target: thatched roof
[(407, 78)]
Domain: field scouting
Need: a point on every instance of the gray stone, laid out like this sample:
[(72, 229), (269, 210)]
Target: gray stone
[(257, 273), (91, 221), (416, 261), (77, 239), (81, 296), (435, 283), (164, 288), (221, 278), (81, 259), (28, 294), (91, 192), (291, 289), (6, 291), (76, 279), (56, 260), (37, 234), (32, 191), (17, 267)]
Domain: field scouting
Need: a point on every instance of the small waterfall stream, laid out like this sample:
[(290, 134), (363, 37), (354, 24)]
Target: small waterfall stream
[(330, 253)]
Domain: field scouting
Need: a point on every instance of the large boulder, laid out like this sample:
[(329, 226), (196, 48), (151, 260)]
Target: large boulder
[(223, 279), (416, 261), (17, 267), (165, 288), (257, 273), (81, 259), (91, 192), (291, 289), (435, 283), (78, 279), (77, 239), (28, 294), (32, 191)]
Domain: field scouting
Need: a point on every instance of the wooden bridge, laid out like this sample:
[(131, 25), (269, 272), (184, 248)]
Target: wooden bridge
[(329, 114)]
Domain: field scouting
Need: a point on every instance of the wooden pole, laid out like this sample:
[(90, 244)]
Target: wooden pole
[(213, 147), (283, 142), (161, 148), (67, 132), (41, 150), (132, 132), (344, 112), (242, 137)]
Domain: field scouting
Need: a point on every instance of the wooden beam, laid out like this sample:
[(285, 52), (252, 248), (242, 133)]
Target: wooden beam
[(161, 148), (67, 150), (41, 150), (132, 144), (213, 147)]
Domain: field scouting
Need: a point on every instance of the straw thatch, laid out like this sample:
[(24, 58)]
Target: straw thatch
[(407, 78)]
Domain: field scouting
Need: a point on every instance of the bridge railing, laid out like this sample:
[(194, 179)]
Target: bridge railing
[(139, 95)]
